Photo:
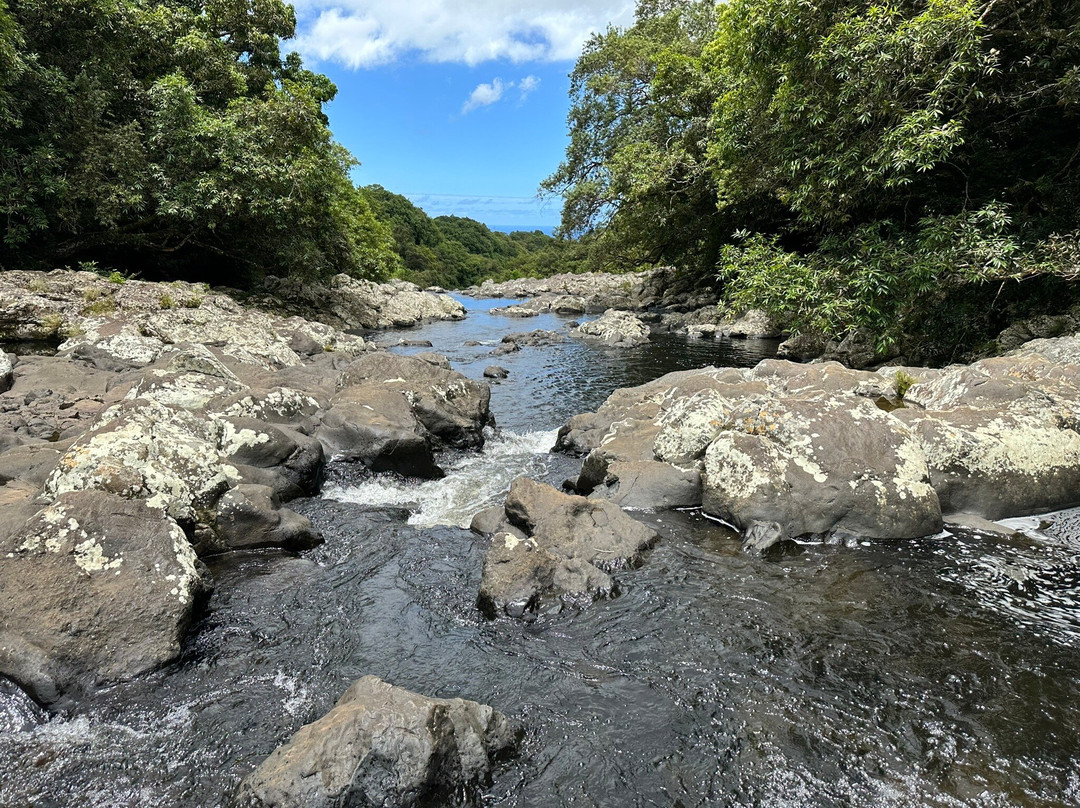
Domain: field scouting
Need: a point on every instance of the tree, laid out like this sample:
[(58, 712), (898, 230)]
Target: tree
[(172, 138), (636, 169)]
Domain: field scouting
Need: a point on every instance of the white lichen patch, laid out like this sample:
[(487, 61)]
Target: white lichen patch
[(234, 439), (90, 557)]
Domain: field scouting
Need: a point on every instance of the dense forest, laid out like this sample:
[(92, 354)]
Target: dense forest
[(173, 139), (840, 164)]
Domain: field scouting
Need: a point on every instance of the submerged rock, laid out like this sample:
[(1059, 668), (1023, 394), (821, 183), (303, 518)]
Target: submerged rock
[(619, 329), (495, 372), (96, 589), (383, 745), (548, 546)]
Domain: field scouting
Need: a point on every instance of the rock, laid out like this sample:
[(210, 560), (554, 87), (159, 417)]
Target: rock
[(351, 303), (515, 311), (382, 745), (453, 409), (495, 372), (436, 359), (616, 328), (804, 347), (250, 516), (821, 465), (859, 349), (31, 463), (645, 485), (96, 589), (571, 546), (7, 377), (293, 462), (753, 324), (375, 426), (760, 537), (533, 339)]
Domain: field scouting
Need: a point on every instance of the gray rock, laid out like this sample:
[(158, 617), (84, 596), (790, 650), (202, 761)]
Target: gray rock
[(515, 311), (760, 537), (294, 462), (382, 745), (6, 373), (819, 465), (96, 589), (250, 516), (615, 328), (495, 372), (453, 409), (436, 359), (571, 546), (753, 324)]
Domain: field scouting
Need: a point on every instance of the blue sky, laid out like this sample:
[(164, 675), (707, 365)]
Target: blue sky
[(458, 104)]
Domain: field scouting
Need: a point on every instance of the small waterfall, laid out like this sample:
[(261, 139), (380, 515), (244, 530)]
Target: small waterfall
[(471, 484)]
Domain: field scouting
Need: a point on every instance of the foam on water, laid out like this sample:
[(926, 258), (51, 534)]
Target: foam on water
[(471, 484)]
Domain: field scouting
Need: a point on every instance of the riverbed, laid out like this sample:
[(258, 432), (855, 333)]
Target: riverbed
[(937, 672)]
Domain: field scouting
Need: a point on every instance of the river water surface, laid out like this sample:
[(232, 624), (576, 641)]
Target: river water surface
[(939, 672)]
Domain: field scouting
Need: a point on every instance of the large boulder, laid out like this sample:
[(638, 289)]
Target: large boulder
[(383, 745), (353, 303), (619, 329), (96, 589), (548, 547), (392, 412), (820, 466)]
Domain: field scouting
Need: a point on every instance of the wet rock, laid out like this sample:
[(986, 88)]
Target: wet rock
[(375, 426), (571, 546), (383, 745), (96, 589), (495, 372), (642, 485), (250, 516), (533, 339), (760, 537), (453, 409), (619, 329)]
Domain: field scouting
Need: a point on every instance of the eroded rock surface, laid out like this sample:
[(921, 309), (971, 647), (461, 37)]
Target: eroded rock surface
[(548, 547), (619, 329), (383, 745), (96, 588)]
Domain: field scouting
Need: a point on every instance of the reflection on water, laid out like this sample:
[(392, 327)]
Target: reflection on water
[(942, 672)]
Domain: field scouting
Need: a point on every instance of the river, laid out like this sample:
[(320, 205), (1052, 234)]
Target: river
[(939, 672)]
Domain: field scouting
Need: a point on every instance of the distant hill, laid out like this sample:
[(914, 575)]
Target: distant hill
[(455, 252), (547, 229)]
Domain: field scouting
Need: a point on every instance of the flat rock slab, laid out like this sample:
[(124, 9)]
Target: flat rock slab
[(548, 547), (96, 589), (615, 328), (384, 746)]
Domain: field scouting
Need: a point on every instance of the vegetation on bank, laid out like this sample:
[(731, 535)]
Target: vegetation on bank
[(908, 167)]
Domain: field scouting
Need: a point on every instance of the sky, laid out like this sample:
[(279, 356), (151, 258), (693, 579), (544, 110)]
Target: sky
[(459, 105)]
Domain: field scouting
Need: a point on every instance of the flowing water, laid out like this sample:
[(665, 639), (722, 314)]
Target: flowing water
[(940, 672)]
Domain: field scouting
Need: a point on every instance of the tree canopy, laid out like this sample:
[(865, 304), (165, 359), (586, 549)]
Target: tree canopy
[(841, 163), (173, 136)]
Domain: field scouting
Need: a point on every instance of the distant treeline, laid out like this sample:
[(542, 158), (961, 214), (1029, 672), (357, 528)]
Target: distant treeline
[(456, 252)]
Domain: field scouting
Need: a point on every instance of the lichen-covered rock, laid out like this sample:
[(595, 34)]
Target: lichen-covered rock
[(383, 745), (251, 516), (354, 303), (552, 547), (146, 450), (821, 465), (753, 324), (615, 328), (452, 409), (96, 589)]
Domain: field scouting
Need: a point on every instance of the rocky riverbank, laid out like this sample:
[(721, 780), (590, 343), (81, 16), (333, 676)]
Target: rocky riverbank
[(172, 424)]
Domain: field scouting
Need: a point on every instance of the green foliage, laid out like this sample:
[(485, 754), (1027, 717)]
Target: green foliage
[(104, 305), (455, 252), (171, 134), (892, 160), (902, 383), (167, 302)]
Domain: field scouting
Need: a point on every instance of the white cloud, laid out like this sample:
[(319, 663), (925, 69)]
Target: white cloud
[(485, 95), (527, 85), (367, 33)]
